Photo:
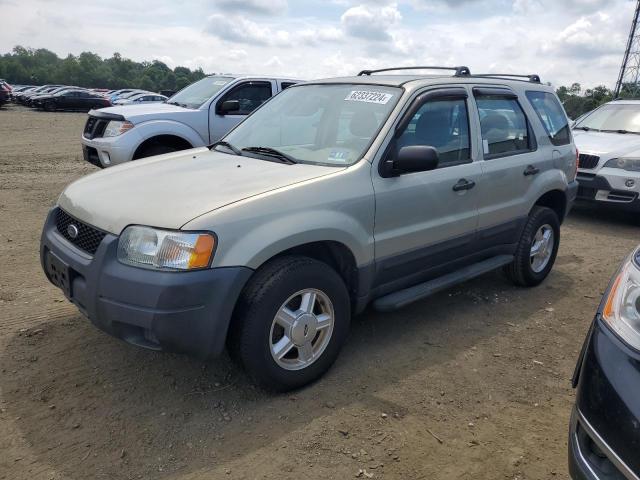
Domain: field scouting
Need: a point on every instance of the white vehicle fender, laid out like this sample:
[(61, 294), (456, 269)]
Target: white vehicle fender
[(154, 128)]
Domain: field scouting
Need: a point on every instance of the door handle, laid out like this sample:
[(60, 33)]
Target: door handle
[(464, 184), (531, 170)]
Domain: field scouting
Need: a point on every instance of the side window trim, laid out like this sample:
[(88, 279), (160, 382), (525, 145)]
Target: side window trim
[(237, 87), (413, 106), (505, 93)]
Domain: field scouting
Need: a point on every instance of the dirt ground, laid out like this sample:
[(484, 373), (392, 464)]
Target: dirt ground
[(472, 383)]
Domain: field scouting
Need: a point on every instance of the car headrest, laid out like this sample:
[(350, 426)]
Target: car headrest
[(433, 128)]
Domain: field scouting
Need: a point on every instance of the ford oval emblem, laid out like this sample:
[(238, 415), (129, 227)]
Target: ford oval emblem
[(72, 231)]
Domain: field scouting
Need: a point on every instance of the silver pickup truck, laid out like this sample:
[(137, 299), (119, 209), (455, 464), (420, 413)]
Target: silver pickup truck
[(197, 115)]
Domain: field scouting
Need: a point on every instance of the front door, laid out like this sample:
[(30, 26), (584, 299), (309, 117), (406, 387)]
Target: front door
[(427, 220), (250, 95)]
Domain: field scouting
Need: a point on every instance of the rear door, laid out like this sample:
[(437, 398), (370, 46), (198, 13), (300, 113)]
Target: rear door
[(426, 221), (250, 94), (511, 163)]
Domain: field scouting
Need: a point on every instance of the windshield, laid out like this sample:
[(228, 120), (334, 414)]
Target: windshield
[(613, 117), (194, 95), (318, 124)]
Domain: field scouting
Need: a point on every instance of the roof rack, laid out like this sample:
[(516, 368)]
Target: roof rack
[(459, 71), (533, 78)]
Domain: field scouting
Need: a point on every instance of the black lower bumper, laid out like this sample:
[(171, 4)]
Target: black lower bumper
[(604, 439), (591, 184), (187, 312)]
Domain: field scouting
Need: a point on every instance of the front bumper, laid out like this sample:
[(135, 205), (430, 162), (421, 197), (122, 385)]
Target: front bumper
[(186, 312), (604, 439), (107, 151), (610, 189)]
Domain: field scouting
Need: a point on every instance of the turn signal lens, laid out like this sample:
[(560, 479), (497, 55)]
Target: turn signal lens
[(201, 252)]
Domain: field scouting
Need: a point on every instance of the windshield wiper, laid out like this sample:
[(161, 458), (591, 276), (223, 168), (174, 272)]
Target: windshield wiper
[(183, 105), (222, 143), (621, 130), (271, 152), (586, 129)]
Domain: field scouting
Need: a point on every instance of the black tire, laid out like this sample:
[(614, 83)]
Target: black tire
[(250, 335), (50, 106), (155, 149), (520, 271)]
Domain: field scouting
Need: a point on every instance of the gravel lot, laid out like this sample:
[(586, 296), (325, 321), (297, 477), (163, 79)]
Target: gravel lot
[(472, 383)]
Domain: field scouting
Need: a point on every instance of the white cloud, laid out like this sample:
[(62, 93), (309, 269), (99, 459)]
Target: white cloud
[(240, 30), (371, 23), (563, 41), (260, 7)]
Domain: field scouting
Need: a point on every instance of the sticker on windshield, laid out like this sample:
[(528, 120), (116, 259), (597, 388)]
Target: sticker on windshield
[(220, 82), (369, 96), (338, 156)]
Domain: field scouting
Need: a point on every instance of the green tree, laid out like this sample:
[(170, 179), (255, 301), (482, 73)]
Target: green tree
[(39, 66)]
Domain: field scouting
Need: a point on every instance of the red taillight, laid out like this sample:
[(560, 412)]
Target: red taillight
[(575, 170)]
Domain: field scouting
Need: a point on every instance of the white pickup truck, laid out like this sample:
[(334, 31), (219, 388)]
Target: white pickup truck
[(198, 115)]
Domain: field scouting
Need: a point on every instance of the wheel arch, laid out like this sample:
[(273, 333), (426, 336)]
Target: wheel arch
[(333, 253), (162, 139), (556, 200)]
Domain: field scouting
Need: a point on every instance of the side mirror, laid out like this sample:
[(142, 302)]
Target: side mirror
[(228, 106), (415, 158)]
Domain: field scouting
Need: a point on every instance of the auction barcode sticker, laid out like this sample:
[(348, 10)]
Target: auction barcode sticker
[(369, 96)]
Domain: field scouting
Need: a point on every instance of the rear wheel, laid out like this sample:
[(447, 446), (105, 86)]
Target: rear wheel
[(290, 322), (537, 249)]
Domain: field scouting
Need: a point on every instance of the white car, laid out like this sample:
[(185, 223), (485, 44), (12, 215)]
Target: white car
[(608, 140), (198, 115), (138, 98)]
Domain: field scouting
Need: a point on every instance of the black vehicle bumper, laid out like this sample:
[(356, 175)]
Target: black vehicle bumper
[(604, 438), (591, 184), (186, 312)]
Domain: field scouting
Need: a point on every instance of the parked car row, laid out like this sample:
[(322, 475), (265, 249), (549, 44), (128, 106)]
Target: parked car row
[(66, 97)]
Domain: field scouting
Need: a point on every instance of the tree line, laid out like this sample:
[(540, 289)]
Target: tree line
[(40, 66)]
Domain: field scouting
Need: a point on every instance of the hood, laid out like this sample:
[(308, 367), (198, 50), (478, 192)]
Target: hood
[(606, 144), (145, 112), (170, 190)]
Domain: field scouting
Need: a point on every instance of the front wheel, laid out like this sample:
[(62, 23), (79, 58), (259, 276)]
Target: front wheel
[(50, 106), (536, 252), (155, 149), (290, 322)]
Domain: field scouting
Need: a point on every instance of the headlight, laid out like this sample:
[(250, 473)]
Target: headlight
[(630, 164), (165, 249), (117, 127), (622, 308)]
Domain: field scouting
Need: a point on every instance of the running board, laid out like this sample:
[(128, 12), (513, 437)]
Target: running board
[(401, 298)]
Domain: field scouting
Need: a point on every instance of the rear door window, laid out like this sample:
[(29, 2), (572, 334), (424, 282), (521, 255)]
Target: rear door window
[(504, 126), (552, 116)]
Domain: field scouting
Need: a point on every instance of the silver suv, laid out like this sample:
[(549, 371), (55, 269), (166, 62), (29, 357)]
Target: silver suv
[(197, 115), (334, 194), (609, 164)]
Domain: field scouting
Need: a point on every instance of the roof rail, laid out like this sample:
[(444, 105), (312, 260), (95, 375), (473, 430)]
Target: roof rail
[(533, 78), (459, 71)]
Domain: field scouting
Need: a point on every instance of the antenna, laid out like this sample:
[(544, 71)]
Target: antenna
[(627, 84)]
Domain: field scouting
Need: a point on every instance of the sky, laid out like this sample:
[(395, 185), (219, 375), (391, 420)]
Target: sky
[(564, 41)]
